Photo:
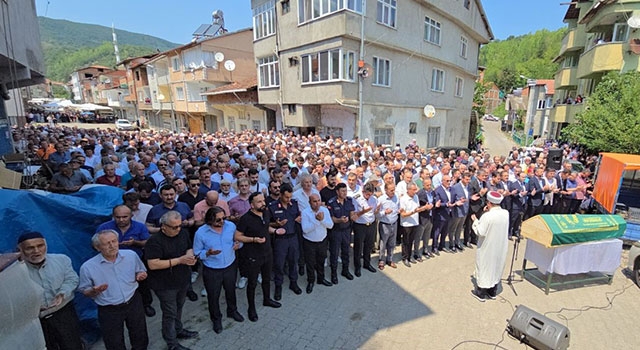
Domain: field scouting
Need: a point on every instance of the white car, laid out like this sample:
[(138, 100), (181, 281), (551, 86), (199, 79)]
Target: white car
[(490, 117), (124, 124)]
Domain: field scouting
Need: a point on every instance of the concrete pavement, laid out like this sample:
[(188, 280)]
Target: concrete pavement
[(496, 142)]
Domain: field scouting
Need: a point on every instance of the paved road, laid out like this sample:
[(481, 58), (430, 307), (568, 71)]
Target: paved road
[(496, 142)]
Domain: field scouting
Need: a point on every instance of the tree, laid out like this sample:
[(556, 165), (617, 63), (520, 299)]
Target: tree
[(478, 98), (611, 122)]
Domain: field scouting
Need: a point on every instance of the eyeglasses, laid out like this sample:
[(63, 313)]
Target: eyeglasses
[(194, 185), (173, 227)]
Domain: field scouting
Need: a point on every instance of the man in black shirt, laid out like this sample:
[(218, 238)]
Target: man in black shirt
[(169, 254), (254, 231), (192, 196), (329, 191)]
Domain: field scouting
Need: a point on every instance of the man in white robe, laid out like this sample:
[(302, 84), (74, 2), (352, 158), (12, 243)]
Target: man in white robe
[(492, 229)]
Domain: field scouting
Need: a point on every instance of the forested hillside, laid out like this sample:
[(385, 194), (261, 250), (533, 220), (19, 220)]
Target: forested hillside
[(530, 55)]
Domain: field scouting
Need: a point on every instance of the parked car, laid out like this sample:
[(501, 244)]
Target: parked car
[(124, 124), (491, 118)]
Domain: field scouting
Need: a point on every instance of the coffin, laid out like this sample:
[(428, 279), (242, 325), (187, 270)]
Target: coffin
[(557, 230)]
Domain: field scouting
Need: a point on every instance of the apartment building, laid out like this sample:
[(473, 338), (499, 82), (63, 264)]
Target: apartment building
[(538, 95), (83, 81), (599, 40), (368, 69)]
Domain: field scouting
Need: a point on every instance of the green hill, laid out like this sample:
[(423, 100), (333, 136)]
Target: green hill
[(530, 55), (69, 45)]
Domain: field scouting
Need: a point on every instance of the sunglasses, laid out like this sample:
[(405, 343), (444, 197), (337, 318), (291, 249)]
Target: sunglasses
[(219, 220), (194, 185)]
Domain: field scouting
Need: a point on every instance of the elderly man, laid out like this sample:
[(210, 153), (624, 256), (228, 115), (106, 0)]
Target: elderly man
[(364, 228), (316, 219), (388, 225), (54, 273), (67, 180), (492, 229), (111, 280), (409, 221), (169, 255), (212, 199), (110, 178)]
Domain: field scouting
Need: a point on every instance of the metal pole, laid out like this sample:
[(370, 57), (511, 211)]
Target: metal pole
[(360, 78), (531, 110)]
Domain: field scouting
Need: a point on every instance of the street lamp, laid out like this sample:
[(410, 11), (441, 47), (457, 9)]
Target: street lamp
[(531, 83)]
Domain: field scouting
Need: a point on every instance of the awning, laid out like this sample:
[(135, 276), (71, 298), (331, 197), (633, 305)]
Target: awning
[(612, 166)]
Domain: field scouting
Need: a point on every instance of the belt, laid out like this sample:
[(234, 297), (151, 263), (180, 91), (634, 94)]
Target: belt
[(367, 224), (389, 223), (126, 303), (285, 236)]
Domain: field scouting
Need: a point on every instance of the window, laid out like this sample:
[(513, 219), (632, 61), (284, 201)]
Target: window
[(329, 131), (459, 87), (292, 109), (243, 127), (464, 44), (255, 125), (437, 80), (138, 75), (140, 96), (432, 30), (268, 72), (620, 32), (232, 123), (467, 4), (311, 9), (180, 93), (331, 65), (433, 137), (286, 6), (383, 136), (413, 128), (541, 104), (382, 68), (386, 12), (264, 20), (175, 64)]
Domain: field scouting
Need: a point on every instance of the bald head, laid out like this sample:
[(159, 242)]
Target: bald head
[(212, 198), (314, 201)]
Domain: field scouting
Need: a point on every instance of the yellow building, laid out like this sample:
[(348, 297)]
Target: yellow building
[(599, 40)]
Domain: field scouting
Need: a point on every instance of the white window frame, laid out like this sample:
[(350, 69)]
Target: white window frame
[(382, 70), (464, 46), (432, 31), (264, 20), (437, 80), (268, 72), (542, 104), (433, 136), (386, 134), (617, 27), (175, 63), (180, 93), (459, 88), (310, 10), (232, 122), (327, 69), (386, 13)]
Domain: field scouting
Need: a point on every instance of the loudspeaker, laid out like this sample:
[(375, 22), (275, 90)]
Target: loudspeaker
[(554, 159), (537, 331)]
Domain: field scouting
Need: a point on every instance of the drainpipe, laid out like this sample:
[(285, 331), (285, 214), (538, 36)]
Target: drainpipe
[(280, 94), (360, 78)]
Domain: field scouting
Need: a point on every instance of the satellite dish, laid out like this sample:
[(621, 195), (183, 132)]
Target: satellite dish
[(219, 56), (634, 22), (429, 111), (230, 65)]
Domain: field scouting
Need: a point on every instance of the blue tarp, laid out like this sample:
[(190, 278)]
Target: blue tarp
[(67, 222)]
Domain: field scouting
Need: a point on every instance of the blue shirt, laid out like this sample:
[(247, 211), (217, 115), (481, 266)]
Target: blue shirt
[(159, 209), (138, 231), (339, 210), (204, 189), (120, 276), (206, 238), (290, 213)]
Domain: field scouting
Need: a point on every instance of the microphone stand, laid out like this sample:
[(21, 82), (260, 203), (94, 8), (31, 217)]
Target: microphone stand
[(514, 257)]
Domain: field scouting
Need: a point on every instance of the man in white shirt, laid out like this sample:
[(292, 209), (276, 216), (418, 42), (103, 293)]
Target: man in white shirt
[(364, 228), (139, 210), (303, 194), (316, 219)]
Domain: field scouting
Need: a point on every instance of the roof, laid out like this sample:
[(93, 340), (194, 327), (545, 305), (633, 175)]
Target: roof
[(127, 60), (629, 160), (485, 19), (593, 11), (241, 86), (549, 83), (573, 12), (198, 42)]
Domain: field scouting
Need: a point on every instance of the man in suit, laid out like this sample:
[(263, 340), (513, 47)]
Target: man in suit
[(536, 193), (518, 207), (478, 188), (442, 215), (460, 197)]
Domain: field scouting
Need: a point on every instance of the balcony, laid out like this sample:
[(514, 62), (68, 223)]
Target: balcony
[(566, 78), (573, 41), (600, 59), (565, 113)]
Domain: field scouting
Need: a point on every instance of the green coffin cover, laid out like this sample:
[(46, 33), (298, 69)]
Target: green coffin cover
[(571, 229)]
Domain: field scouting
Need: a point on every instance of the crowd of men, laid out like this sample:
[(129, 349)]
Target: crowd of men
[(250, 208)]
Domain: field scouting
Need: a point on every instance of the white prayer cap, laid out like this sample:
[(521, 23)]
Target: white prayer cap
[(494, 197)]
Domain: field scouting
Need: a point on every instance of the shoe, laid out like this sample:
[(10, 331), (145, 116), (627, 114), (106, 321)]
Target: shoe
[(194, 277), (203, 292), (259, 278), (406, 263), (370, 268), (236, 316), (242, 282), (217, 326), (381, 265), (324, 282), (468, 245), (301, 270), (357, 272), (186, 334), (309, 287), (419, 258), (178, 347), (334, 278), (436, 252), (492, 297), (253, 316), (277, 295), (478, 297), (453, 250), (460, 248), (192, 295), (149, 311), (347, 274), (446, 250), (271, 303), (413, 260), (392, 264), (295, 288)]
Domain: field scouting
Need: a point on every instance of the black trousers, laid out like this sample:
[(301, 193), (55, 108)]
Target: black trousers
[(515, 222), (339, 244), (216, 279), (62, 329), (408, 236), (254, 266), (363, 236), (112, 319), (285, 250), (171, 303), (314, 255)]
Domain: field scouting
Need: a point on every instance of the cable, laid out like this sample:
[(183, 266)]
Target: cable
[(495, 345)]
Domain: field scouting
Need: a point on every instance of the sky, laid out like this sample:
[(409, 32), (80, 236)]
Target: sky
[(176, 20)]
